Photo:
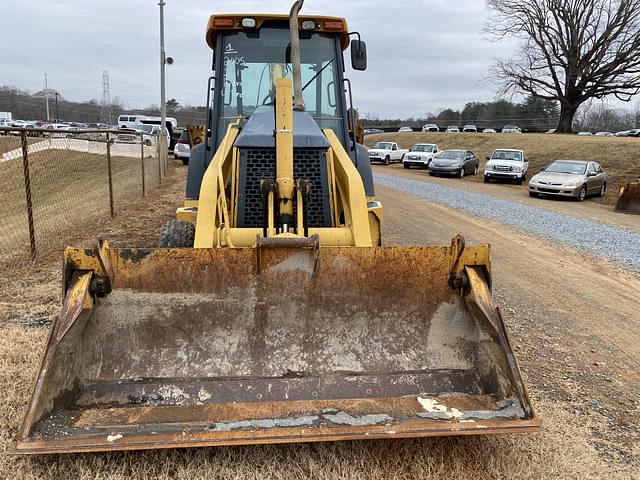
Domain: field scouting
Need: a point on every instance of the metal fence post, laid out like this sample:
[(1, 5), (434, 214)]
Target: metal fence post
[(142, 162), (27, 190), (159, 161), (110, 175)]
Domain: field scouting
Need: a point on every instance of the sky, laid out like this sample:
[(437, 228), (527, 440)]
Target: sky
[(423, 55)]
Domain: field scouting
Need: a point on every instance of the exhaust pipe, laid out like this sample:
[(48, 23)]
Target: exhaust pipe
[(298, 103)]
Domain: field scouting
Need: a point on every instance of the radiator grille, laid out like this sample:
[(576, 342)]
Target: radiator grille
[(258, 164)]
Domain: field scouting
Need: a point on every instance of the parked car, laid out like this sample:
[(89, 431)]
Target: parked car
[(603, 134), (511, 129), (182, 149), (585, 133), (470, 128), (369, 131), (623, 133), (489, 130), (454, 162), (405, 129), (420, 155), (570, 178), (386, 152), (506, 164), (430, 127), (453, 129)]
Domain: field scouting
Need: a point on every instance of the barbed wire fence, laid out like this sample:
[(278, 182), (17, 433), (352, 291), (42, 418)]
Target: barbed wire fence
[(54, 184)]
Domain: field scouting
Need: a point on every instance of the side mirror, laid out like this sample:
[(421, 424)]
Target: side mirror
[(592, 174), (542, 169), (526, 160), (358, 55), (488, 158)]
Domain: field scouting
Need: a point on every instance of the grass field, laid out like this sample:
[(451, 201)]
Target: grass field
[(620, 157)]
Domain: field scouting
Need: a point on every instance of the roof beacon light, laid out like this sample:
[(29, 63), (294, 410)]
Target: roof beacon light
[(309, 25), (249, 22)]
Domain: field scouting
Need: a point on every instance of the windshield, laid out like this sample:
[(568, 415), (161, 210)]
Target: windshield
[(383, 146), (506, 155), (451, 155), (575, 168), (144, 128), (254, 60), (422, 148)]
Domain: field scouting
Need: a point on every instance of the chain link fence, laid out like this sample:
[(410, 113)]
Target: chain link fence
[(55, 184)]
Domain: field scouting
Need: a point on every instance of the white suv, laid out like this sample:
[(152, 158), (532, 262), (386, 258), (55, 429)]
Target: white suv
[(506, 164)]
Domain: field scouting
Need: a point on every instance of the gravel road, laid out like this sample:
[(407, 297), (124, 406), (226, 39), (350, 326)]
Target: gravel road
[(605, 241)]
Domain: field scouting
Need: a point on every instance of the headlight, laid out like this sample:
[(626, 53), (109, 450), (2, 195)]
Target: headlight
[(517, 169), (456, 164), (573, 183)]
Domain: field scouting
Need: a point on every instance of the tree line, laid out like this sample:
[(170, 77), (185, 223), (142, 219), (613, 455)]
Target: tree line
[(26, 106)]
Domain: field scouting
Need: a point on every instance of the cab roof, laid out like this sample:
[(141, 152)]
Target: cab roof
[(233, 21)]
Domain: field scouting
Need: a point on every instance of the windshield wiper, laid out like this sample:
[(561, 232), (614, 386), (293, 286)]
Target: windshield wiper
[(316, 75)]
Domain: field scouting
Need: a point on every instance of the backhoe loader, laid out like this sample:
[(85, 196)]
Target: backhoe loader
[(271, 313)]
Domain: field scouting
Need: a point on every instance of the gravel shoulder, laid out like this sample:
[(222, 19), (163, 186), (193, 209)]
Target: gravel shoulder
[(606, 241), (589, 209)]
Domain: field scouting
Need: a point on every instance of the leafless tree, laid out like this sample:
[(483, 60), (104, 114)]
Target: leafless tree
[(570, 50)]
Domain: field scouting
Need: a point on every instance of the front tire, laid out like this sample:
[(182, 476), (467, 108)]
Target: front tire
[(533, 194), (405, 165), (475, 170), (461, 174), (387, 160), (185, 161), (582, 194), (177, 234), (486, 179)]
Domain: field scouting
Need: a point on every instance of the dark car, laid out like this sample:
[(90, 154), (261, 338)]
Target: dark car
[(454, 162)]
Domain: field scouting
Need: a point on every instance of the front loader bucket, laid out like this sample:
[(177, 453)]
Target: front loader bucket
[(159, 348), (629, 198)]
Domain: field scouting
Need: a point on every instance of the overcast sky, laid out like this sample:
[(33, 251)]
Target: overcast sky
[(424, 55)]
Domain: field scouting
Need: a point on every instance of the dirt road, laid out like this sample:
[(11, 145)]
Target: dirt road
[(574, 320), (589, 209), (573, 323)]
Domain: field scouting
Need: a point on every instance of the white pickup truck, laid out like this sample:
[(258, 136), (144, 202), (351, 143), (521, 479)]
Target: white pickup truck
[(386, 152), (420, 155)]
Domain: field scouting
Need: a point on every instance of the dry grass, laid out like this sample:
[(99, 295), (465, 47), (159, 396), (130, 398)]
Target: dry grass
[(618, 156), (70, 192), (560, 451)]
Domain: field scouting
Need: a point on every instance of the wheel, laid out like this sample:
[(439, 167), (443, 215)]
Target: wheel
[(431, 174), (475, 170), (147, 142), (582, 194), (405, 165), (387, 160), (177, 234), (461, 174), (185, 161), (519, 181), (486, 179), (533, 194), (603, 190)]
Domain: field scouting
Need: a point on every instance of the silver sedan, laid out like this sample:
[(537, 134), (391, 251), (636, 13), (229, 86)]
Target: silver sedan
[(570, 178)]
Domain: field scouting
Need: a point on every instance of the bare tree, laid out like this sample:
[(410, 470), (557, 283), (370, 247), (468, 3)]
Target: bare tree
[(571, 50)]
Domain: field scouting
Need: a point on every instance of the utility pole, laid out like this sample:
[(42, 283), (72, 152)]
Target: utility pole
[(163, 103), (57, 113), (46, 95)]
